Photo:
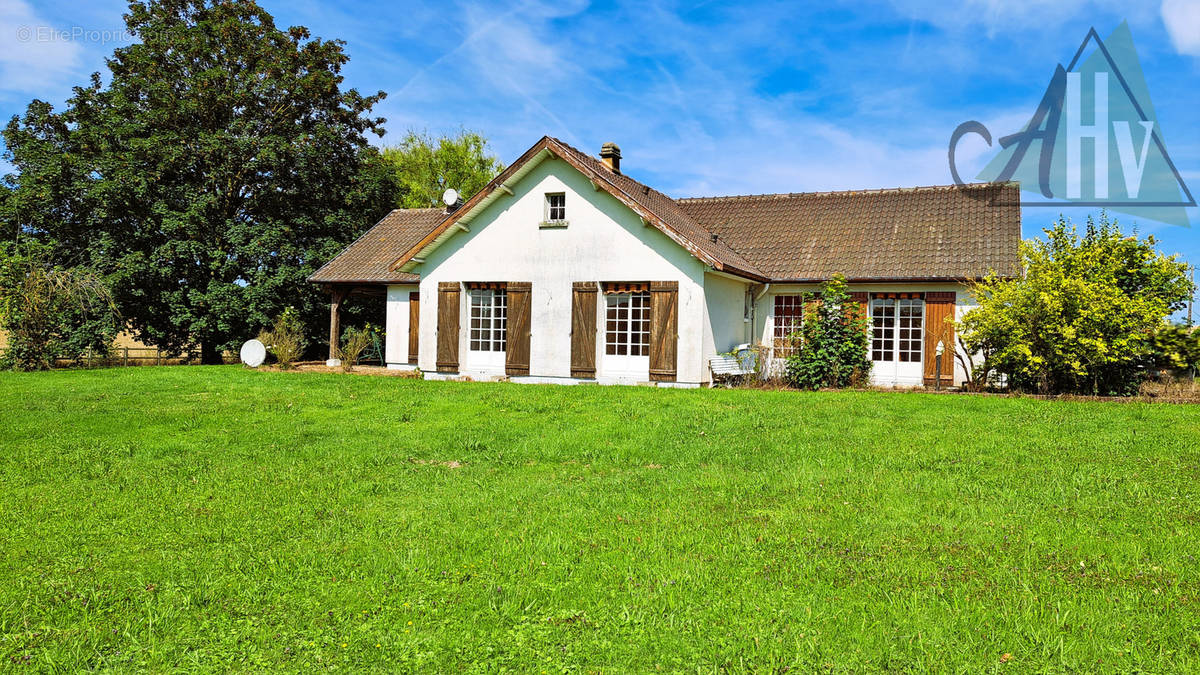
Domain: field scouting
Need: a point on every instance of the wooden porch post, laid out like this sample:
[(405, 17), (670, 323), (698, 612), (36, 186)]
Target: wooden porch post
[(335, 324)]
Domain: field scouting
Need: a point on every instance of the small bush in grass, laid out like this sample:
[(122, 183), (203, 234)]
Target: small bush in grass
[(285, 340), (49, 310), (354, 342), (831, 345)]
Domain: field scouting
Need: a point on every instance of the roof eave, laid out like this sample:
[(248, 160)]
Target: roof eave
[(887, 280), (362, 282)]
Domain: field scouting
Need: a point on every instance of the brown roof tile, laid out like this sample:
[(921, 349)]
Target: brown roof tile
[(944, 232), (369, 259)]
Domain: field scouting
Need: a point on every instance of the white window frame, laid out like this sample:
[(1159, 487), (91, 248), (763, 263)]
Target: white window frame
[(487, 327), (627, 335), (902, 341), (551, 209), (779, 330), (910, 336), (630, 335)]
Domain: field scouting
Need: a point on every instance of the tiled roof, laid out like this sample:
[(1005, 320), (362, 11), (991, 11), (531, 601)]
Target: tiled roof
[(945, 232), (369, 259)]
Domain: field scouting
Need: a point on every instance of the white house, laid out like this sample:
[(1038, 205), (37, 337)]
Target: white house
[(564, 269)]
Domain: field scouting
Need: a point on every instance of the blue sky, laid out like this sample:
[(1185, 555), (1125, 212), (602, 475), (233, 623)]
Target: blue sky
[(705, 97)]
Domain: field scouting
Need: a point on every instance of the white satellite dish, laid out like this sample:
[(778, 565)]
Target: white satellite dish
[(450, 197), (253, 353)]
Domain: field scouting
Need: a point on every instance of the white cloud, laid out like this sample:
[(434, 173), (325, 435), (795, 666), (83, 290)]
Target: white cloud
[(1182, 18), (33, 54)]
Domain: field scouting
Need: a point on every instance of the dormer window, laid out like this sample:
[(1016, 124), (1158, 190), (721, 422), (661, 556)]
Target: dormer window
[(556, 209)]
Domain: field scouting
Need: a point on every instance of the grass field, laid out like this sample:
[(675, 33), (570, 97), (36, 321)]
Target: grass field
[(206, 518)]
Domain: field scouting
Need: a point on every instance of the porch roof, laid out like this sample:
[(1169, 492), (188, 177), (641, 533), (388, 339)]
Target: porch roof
[(369, 260)]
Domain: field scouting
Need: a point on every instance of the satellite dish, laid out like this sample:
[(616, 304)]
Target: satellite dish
[(450, 197), (253, 353)]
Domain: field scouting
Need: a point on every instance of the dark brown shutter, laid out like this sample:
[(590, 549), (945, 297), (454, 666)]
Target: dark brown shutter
[(583, 329), (414, 324), (939, 327), (447, 327), (664, 330), (516, 357)]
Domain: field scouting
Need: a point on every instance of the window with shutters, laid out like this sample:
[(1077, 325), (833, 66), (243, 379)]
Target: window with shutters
[(789, 312), (556, 207), (489, 319), (627, 324), (897, 329)]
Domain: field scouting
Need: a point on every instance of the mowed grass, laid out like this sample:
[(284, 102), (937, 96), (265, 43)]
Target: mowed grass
[(212, 518)]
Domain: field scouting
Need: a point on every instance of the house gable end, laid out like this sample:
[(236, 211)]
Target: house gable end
[(503, 187)]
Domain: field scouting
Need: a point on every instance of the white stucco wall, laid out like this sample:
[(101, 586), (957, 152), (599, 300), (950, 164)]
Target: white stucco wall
[(396, 343), (604, 241), (764, 311), (725, 313)]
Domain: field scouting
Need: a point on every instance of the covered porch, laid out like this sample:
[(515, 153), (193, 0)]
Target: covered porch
[(340, 295)]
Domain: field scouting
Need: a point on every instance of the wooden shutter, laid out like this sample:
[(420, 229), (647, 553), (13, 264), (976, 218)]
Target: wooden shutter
[(583, 329), (939, 327), (447, 326), (414, 324), (516, 357), (664, 330)]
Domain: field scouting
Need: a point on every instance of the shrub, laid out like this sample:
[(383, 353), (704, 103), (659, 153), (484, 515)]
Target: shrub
[(831, 345), (51, 311), (1083, 317), (354, 342), (285, 340), (1177, 348)]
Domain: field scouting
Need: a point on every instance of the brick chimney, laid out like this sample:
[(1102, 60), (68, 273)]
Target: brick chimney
[(610, 154)]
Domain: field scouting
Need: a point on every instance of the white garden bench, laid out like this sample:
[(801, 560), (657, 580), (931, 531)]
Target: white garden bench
[(727, 367)]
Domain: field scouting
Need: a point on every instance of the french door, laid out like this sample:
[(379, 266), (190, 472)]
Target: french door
[(897, 340)]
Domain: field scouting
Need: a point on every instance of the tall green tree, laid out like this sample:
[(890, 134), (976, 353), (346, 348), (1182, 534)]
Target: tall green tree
[(424, 167), (1084, 317), (218, 164)]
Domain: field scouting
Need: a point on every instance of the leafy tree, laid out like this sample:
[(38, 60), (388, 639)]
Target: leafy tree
[(831, 345), (49, 311), (1083, 317), (424, 167), (218, 164)]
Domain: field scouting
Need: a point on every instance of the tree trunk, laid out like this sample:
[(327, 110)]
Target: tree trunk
[(209, 354)]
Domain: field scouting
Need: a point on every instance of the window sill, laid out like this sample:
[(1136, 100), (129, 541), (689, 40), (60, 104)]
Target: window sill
[(553, 224)]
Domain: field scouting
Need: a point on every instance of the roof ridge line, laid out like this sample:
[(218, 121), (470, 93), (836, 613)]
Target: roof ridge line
[(828, 193)]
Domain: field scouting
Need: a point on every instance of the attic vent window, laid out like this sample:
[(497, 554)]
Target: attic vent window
[(556, 210)]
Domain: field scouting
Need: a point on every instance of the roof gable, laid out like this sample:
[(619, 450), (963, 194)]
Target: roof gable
[(655, 209)]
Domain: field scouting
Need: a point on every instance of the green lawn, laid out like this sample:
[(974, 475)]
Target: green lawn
[(201, 518)]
